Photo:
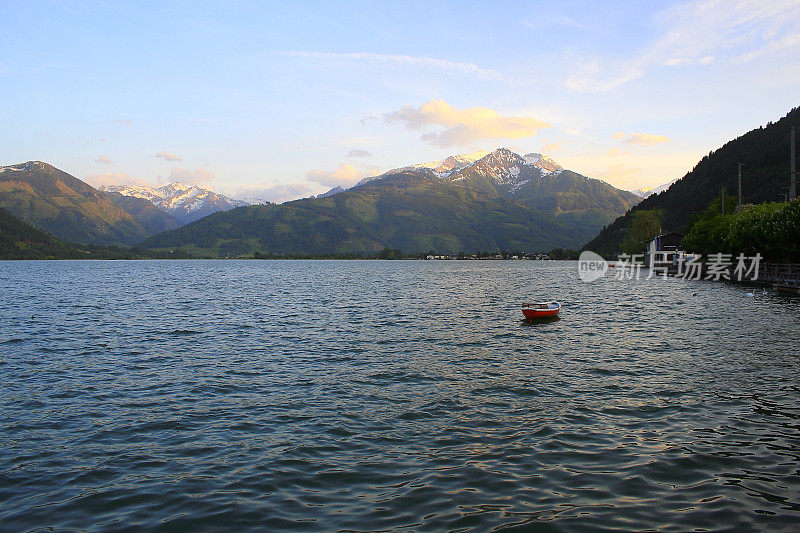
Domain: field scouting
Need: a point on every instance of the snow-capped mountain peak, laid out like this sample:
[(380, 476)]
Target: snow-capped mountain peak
[(453, 162), (644, 192), (24, 167), (542, 161), (177, 187), (187, 203), (500, 158), (502, 166)]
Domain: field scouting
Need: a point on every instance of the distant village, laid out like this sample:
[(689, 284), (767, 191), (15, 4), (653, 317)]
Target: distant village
[(490, 256)]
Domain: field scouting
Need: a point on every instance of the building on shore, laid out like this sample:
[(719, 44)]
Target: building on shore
[(663, 250)]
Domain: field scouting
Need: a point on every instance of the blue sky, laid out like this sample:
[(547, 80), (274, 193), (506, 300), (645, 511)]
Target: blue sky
[(284, 100)]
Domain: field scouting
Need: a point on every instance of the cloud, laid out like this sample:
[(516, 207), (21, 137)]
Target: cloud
[(359, 153), (113, 178), (124, 122), (191, 177), (464, 126), (345, 175), (775, 45), (395, 61), (700, 33), (168, 156), (642, 138), (103, 160)]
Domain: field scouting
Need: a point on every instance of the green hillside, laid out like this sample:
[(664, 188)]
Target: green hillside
[(42, 195), (584, 203), (19, 240), (766, 175), (403, 211), (152, 219)]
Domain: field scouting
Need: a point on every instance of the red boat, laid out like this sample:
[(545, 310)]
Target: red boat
[(541, 310)]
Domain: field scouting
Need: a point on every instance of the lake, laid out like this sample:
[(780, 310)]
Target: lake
[(384, 395)]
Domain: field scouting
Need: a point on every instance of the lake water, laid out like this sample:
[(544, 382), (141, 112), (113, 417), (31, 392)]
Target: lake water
[(369, 395)]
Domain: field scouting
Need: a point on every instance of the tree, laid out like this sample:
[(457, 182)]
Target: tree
[(646, 225)]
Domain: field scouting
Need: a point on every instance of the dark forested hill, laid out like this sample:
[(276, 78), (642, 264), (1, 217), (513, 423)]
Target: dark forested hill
[(409, 211), (764, 151), (19, 240), (46, 197)]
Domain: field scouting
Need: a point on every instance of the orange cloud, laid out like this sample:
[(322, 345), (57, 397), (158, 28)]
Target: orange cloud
[(640, 138), (345, 174), (464, 126)]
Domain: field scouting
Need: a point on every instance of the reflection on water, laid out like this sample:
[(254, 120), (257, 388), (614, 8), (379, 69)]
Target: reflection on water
[(540, 321), (363, 395)]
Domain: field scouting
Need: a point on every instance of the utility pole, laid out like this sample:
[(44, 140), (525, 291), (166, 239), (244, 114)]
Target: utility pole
[(723, 200), (793, 187), (739, 203)]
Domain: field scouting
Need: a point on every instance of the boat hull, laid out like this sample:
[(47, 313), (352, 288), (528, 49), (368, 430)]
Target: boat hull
[(540, 313)]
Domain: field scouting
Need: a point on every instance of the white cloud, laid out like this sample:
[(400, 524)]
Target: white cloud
[(394, 62), (464, 126), (103, 160), (359, 153), (775, 45), (168, 156), (701, 33), (191, 177)]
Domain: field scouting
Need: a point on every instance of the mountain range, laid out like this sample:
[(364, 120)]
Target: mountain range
[(484, 201), (185, 203), (533, 180), (480, 201)]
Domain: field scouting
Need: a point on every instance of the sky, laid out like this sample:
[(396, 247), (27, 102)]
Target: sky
[(282, 100)]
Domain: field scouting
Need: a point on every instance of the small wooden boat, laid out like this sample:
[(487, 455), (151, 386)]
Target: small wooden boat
[(541, 310)]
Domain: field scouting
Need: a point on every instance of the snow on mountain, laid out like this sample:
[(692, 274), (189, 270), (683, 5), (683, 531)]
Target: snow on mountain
[(504, 171), (644, 192), (502, 165), (254, 201), (335, 190), (187, 203), (453, 162), (543, 162), (20, 168)]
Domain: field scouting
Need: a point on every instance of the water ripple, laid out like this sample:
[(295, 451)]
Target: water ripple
[(364, 396)]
